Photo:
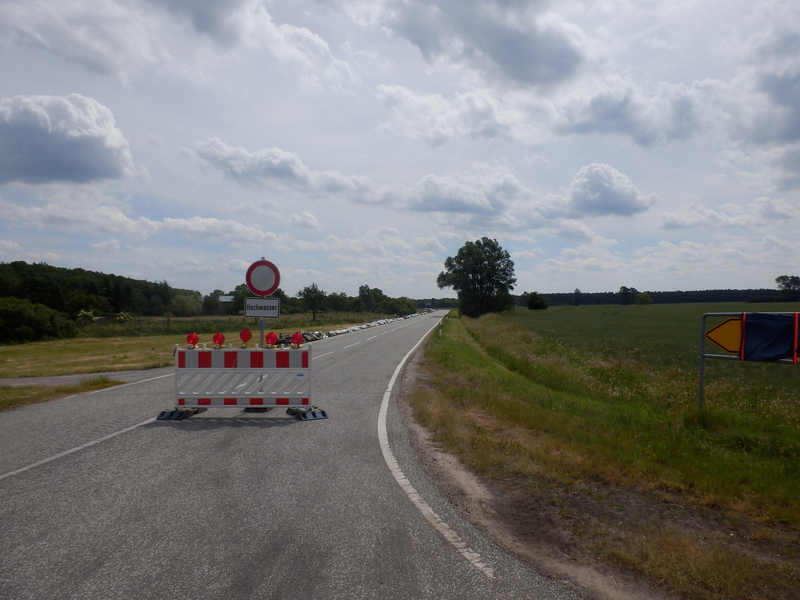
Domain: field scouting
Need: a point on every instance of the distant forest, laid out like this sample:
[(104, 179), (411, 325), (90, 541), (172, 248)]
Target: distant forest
[(628, 295), (39, 301)]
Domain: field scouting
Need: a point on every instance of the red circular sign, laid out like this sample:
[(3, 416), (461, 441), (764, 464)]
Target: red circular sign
[(263, 278), (245, 335), (192, 339)]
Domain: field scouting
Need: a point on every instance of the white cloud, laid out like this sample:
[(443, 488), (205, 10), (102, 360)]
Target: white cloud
[(108, 37), (669, 114), (507, 41), (60, 138), (599, 189), (761, 212), (111, 245), (305, 220), (437, 120)]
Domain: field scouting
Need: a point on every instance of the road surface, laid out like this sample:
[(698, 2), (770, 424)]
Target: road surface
[(98, 500)]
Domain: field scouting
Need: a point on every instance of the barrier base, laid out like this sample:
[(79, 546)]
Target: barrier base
[(307, 414), (179, 414)]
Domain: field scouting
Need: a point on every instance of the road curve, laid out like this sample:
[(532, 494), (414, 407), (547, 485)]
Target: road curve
[(99, 501)]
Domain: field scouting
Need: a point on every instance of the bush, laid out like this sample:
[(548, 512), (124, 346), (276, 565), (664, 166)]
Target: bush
[(537, 301), (24, 321)]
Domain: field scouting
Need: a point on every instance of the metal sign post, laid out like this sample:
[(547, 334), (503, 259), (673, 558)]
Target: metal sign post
[(262, 278)]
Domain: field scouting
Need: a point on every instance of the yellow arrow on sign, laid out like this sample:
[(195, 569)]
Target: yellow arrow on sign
[(727, 335)]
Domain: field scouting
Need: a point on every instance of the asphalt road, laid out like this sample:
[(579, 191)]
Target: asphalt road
[(100, 501)]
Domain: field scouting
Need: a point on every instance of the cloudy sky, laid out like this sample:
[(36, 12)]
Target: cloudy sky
[(603, 143)]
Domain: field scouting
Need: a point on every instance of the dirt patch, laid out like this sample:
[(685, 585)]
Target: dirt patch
[(565, 531)]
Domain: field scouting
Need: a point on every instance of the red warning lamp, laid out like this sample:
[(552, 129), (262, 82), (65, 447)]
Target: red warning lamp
[(271, 339), (192, 340), (297, 339), (245, 335), (218, 339)]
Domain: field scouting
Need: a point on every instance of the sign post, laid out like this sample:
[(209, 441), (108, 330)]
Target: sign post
[(262, 278)]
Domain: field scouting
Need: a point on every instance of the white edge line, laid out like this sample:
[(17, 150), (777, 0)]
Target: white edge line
[(383, 438), (87, 444)]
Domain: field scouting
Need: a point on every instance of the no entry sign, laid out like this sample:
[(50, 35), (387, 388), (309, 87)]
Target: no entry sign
[(263, 278)]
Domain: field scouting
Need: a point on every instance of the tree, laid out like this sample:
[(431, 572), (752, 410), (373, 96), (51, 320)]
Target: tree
[(366, 297), (576, 297), (186, 304), (536, 301), (211, 304), (338, 302), (313, 298), (627, 295), (482, 274), (643, 298), (240, 293), (789, 285)]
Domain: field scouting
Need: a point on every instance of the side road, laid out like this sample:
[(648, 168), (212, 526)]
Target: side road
[(121, 376)]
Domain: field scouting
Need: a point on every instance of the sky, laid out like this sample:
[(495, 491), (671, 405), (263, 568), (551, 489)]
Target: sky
[(602, 143)]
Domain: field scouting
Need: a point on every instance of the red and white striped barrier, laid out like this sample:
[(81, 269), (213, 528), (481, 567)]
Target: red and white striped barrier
[(259, 377)]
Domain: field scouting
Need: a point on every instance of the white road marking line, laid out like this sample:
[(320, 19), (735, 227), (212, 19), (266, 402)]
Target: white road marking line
[(75, 449), (372, 338), (321, 355), (93, 442), (351, 345), (423, 507)]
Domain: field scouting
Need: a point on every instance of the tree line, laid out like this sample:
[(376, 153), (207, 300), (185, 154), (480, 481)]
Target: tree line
[(39, 301), (482, 273), (630, 295)]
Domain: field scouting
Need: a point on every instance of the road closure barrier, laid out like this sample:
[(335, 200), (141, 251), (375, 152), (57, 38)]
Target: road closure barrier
[(252, 378)]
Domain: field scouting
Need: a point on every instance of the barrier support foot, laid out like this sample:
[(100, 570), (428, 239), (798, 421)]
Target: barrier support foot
[(307, 414), (178, 414)]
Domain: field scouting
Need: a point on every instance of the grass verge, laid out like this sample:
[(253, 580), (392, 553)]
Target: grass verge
[(124, 347), (706, 502), (11, 396)]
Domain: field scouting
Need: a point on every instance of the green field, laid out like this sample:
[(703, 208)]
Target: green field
[(605, 397), (147, 343)]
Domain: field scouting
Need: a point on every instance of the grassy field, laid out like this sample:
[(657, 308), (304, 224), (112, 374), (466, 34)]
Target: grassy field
[(603, 400), (135, 345)]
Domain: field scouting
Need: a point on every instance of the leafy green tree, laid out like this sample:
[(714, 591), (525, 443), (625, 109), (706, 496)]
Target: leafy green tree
[(239, 294), (627, 295), (576, 297), (367, 299), (482, 274), (397, 306), (789, 285), (338, 302), (536, 301), (25, 321), (186, 304), (211, 304), (643, 298), (313, 299)]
